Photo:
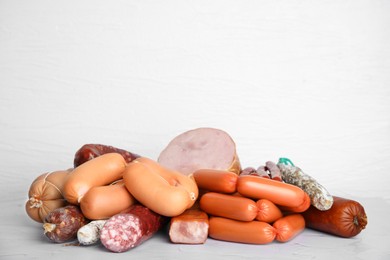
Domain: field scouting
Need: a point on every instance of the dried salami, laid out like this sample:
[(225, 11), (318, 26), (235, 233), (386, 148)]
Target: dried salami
[(127, 230)]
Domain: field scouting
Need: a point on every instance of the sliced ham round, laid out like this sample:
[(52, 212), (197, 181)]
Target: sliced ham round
[(201, 148)]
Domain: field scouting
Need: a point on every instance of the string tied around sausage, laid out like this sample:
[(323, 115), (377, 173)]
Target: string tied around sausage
[(285, 161)]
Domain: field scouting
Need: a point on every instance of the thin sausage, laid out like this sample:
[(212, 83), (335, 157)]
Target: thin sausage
[(216, 180), (164, 191), (250, 232), (99, 171), (346, 218), (301, 208), (267, 211), (228, 206), (278, 192), (289, 227), (103, 202)]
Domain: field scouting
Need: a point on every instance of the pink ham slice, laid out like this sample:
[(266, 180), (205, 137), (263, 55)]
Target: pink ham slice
[(201, 148)]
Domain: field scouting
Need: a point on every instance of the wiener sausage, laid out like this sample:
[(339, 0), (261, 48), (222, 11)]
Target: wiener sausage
[(228, 206), (99, 171), (250, 232), (103, 202), (346, 218), (129, 229), (190, 227), (280, 193), (301, 208), (289, 227), (90, 151), (267, 211), (164, 191), (216, 180)]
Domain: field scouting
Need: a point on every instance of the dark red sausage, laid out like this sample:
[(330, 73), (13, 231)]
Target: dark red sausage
[(62, 224), (127, 230), (90, 151), (346, 218)]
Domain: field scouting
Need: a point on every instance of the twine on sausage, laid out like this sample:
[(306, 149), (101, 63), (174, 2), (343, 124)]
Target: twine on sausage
[(37, 203)]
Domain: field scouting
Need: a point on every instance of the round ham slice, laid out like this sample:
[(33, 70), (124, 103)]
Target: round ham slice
[(201, 148)]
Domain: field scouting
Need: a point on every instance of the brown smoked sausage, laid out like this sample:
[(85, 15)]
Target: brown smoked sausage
[(346, 218)]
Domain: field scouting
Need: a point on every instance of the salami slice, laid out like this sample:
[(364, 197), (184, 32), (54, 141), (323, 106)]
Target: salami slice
[(201, 148), (127, 230)]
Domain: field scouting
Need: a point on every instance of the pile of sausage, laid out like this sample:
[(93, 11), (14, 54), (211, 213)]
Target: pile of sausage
[(196, 187)]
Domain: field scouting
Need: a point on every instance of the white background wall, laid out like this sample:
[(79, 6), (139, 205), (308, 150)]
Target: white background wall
[(308, 80)]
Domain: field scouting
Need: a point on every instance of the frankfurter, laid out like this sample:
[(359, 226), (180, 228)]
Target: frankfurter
[(346, 218), (250, 232), (103, 202), (99, 171), (280, 193), (216, 180), (166, 192), (289, 227), (267, 211), (301, 208), (90, 151), (228, 206)]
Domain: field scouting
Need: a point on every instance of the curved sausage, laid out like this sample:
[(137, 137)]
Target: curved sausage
[(250, 232), (216, 180), (228, 206), (89, 151), (289, 227), (164, 191), (268, 211), (102, 202), (99, 171), (346, 218), (280, 193)]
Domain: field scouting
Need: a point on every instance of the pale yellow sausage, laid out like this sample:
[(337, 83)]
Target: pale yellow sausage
[(166, 192), (99, 171)]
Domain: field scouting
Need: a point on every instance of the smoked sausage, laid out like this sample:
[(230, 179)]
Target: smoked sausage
[(129, 229), (249, 232), (46, 194), (62, 224), (346, 218), (89, 151)]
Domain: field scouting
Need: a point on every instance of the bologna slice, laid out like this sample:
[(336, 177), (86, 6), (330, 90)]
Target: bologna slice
[(201, 148)]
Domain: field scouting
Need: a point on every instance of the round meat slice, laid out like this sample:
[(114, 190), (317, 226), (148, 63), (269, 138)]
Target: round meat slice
[(201, 148)]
